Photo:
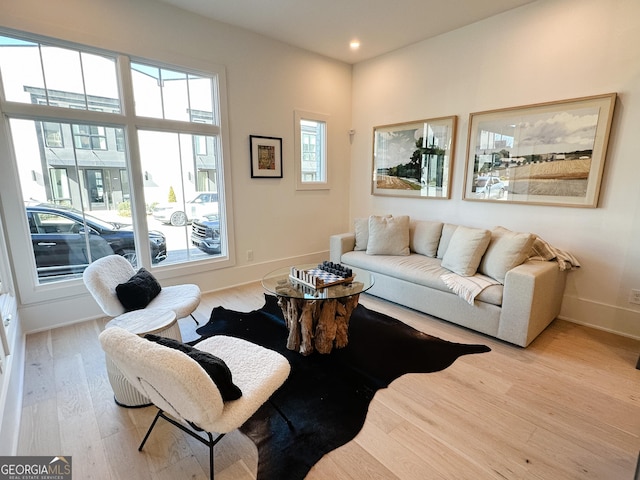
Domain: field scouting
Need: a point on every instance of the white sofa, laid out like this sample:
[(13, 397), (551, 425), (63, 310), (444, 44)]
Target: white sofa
[(499, 283)]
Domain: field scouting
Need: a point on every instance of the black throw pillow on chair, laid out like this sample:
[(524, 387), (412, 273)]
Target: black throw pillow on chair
[(137, 292), (214, 366)]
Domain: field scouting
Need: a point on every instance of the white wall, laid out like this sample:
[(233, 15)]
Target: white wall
[(548, 50), (266, 81)]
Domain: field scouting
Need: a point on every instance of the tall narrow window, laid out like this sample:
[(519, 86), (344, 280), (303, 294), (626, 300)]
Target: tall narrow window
[(311, 151)]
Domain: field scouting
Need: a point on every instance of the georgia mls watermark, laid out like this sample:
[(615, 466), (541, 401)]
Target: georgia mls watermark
[(35, 468)]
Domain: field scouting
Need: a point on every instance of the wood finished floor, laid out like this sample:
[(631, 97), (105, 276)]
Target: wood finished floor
[(567, 407)]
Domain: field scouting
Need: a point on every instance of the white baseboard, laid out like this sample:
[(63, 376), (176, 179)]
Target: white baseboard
[(610, 318)]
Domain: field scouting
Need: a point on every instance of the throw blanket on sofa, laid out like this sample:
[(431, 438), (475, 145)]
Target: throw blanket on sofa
[(467, 287), (541, 250)]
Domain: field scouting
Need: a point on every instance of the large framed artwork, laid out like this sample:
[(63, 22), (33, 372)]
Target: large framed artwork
[(546, 154), (414, 159), (266, 156)]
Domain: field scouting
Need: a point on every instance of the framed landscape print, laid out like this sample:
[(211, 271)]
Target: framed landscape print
[(266, 156), (414, 159), (547, 154)]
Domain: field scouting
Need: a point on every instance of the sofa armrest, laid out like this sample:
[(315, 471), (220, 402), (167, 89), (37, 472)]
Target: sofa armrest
[(531, 300), (339, 244)]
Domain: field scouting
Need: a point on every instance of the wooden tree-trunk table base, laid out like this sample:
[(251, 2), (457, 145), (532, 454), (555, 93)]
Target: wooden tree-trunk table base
[(317, 324)]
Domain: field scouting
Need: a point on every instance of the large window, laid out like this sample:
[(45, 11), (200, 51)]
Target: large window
[(98, 178)]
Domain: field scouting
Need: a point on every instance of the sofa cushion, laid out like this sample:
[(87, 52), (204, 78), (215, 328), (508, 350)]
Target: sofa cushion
[(465, 250), (425, 237), (388, 235), (415, 268), (445, 238), (506, 250)]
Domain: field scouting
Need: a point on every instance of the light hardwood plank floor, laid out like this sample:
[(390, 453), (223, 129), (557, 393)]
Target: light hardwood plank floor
[(566, 407)]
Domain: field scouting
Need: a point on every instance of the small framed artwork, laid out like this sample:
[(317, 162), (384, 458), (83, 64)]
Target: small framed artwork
[(547, 154), (414, 159), (266, 157)]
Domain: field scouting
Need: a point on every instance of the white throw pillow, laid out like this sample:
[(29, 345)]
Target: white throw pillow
[(465, 250), (388, 235), (425, 237), (506, 250)]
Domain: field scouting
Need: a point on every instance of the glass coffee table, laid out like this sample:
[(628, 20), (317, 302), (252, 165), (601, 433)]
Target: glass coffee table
[(317, 318)]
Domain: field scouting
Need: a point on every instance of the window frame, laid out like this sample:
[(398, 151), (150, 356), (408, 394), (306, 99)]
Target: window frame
[(26, 281), (299, 116)]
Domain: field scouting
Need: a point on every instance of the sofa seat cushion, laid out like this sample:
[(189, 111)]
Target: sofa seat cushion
[(414, 268)]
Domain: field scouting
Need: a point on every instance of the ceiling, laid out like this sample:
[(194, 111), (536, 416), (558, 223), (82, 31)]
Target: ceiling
[(328, 26)]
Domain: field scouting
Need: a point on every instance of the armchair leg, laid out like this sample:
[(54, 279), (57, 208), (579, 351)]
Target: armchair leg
[(210, 442), (194, 319), (153, 424)]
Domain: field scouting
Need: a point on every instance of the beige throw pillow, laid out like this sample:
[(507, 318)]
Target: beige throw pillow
[(425, 237), (361, 226), (465, 250), (445, 238), (506, 250), (388, 235)]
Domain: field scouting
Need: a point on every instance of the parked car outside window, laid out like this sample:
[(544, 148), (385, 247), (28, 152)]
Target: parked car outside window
[(489, 187), (60, 244), (203, 203), (205, 234)]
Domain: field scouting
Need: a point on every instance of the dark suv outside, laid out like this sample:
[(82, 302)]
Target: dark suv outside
[(205, 233), (60, 244)]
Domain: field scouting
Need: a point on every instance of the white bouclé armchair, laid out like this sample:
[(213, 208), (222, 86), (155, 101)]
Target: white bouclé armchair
[(182, 390)]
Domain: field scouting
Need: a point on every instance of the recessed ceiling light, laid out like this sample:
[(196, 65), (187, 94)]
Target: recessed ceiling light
[(355, 44)]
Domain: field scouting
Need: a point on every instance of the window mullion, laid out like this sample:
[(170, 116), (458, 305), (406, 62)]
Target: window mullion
[(44, 75), (136, 183), (84, 83), (176, 126), (56, 114)]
